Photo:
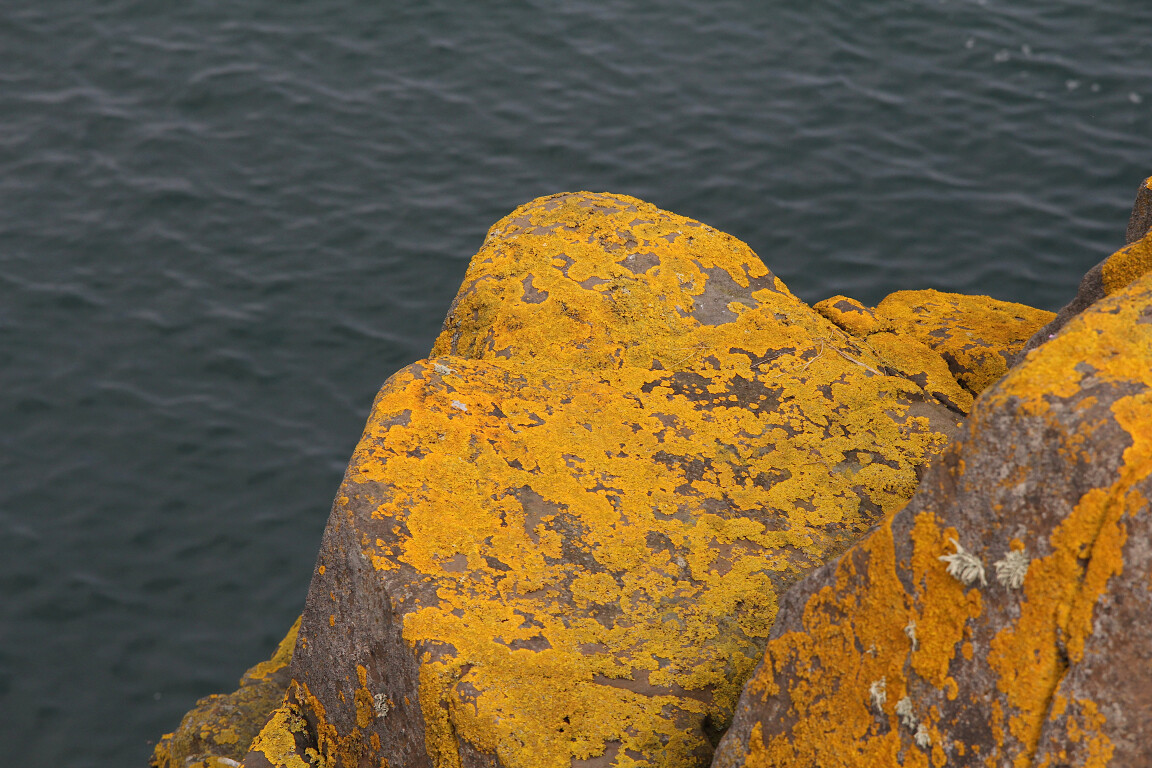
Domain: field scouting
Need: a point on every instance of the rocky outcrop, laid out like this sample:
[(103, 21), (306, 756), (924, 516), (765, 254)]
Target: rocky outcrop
[(951, 344), (997, 619), (565, 538), (1110, 275), (562, 539), (1140, 222), (219, 730)]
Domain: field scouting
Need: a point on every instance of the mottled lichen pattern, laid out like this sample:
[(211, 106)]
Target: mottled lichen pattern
[(955, 345), (1127, 264), (217, 732), (1056, 461), (582, 510)]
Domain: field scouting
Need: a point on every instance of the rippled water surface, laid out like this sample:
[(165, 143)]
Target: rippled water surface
[(223, 225)]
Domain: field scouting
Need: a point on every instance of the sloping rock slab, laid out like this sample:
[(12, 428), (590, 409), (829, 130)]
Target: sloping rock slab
[(954, 345), (999, 618), (560, 541)]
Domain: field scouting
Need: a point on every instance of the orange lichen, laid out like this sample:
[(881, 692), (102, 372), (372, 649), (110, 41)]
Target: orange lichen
[(974, 334), (921, 363), (837, 676), (222, 725), (851, 315), (726, 561), (1128, 264), (632, 439), (1095, 375), (946, 606), (953, 345), (276, 741)]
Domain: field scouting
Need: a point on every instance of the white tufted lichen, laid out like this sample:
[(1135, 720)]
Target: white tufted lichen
[(904, 712), (922, 737), (1011, 569), (964, 566), (380, 704), (442, 369), (910, 630), (878, 693)]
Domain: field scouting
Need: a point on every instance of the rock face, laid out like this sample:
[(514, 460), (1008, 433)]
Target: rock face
[(951, 344), (562, 539), (1110, 275), (997, 619), (1140, 222), (219, 730)]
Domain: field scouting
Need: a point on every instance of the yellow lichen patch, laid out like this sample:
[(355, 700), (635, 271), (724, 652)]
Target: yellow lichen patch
[(563, 512), (840, 663), (1088, 729), (280, 659), (583, 509), (923, 365), (974, 334), (946, 605), (1128, 264), (222, 725), (326, 745), (596, 280), (851, 315), (276, 741)]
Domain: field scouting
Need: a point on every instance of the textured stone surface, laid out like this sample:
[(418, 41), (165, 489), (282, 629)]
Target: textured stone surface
[(561, 539), (884, 657), (960, 343), (218, 731), (1140, 222), (1110, 275)]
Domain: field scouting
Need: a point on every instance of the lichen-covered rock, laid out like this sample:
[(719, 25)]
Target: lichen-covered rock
[(954, 345), (1140, 222), (998, 619), (1110, 275), (219, 730), (561, 540)]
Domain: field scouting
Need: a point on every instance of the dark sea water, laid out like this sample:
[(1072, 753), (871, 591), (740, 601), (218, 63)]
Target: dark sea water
[(224, 225)]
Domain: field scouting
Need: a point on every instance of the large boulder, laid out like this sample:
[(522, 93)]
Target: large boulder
[(998, 618), (562, 539)]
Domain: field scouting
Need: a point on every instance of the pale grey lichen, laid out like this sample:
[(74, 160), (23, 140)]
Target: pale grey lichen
[(964, 566), (923, 738), (459, 406), (380, 704), (910, 630), (904, 712), (1011, 569), (878, 693), (442, 369)]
